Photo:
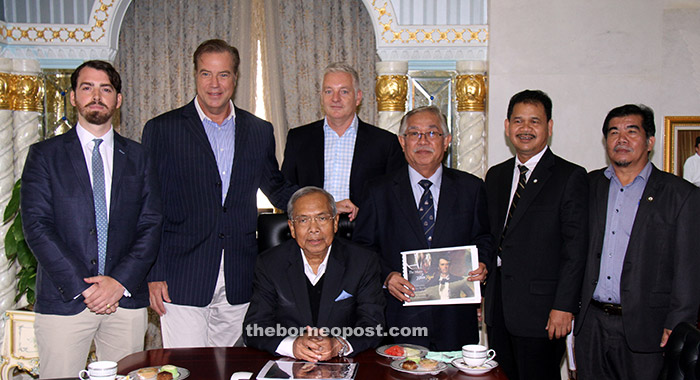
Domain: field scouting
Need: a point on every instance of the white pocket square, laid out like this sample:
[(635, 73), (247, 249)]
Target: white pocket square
[(343, 295)]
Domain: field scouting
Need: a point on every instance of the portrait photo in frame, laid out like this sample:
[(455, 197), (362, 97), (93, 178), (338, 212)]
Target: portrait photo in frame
[(440, 275), (680, 133)]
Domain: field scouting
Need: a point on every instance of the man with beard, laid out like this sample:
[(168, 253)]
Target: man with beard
[(91, 216), (641, 274)]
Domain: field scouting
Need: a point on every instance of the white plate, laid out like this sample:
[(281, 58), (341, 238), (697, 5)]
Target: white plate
[(396, 364), (421, 354), (183, 373), (462, 366)]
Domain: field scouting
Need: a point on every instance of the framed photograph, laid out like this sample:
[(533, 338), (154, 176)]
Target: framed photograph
[(440, 275), (679, 141), (294, 369)]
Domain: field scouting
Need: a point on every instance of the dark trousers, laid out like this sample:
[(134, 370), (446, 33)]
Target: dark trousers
[(602, 352), (523, 358)]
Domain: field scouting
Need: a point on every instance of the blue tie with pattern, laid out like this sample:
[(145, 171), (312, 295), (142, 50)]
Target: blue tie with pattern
[(426, 210), (98, 194)]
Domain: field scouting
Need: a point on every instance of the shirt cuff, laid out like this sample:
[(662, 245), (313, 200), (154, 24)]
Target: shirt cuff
[(347, 342), (286, 347)]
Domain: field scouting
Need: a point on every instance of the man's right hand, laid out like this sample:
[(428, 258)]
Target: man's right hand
[(399, 287), (158, 292)]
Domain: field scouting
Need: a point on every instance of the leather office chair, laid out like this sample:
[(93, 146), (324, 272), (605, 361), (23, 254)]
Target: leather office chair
[(273, 230), (681, 355)]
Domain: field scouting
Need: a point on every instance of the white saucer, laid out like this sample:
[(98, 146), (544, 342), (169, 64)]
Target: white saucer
[(462, 366)]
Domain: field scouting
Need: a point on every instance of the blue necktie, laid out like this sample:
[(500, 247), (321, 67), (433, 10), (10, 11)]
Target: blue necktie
[(426, 210), (98, 193)]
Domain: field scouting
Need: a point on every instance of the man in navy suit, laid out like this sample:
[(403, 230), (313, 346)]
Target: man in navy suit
[(340, 152), (538, 206), (315, 282), (211, 158), (91, 216), (640, 279), (425, 205)]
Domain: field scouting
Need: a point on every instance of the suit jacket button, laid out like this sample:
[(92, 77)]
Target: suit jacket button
[(218, 183), (221, 236), (595, 282), (93, 261), (225, 211), (92, 231)]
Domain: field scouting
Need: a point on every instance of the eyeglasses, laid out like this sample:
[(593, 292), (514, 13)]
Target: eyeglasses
[(413, 135), (304, 220)]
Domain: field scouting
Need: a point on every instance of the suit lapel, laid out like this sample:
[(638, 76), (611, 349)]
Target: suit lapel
[(446, 205), (404, 195), (297, 282), (316, 152), (332, 282), (643, 213), (118, 162), (361, 141), (535, 183), (75, 153), (505, 183), (196, 128)]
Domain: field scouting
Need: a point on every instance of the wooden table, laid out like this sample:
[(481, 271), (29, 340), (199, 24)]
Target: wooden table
[(220, 363)]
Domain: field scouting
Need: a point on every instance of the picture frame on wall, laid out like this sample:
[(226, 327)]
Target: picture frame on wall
[(679, 141)]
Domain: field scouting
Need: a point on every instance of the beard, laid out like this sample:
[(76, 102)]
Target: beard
[(622, 164), (96, 117)]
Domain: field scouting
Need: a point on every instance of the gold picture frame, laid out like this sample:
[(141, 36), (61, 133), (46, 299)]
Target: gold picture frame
[(679, 130)]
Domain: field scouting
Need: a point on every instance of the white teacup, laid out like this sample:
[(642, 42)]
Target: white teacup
[(102, 370), (475, 355)]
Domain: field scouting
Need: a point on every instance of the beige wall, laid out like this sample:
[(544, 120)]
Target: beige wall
[(591, 56)]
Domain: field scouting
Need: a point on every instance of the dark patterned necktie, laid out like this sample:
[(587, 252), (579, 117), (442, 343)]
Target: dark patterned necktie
[(426, 210), (514, 204)]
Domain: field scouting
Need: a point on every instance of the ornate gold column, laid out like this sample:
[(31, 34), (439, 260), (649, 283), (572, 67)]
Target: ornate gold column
[(27, 102), (7, 181), (391, 90), (469, 145)]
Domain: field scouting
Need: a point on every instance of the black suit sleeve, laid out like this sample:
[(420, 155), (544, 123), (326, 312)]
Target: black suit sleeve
[(370, 307), (262, 312), (289, 164), (274, 185), (366, 231)]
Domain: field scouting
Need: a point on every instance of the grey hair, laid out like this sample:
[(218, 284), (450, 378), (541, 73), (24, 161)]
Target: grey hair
[(342, 67), (306, 191), (432, 109)]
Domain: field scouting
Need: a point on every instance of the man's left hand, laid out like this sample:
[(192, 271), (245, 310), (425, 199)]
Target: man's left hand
[(559, 323), (664, 337), (478, 274), (347, 207), (106, 296)]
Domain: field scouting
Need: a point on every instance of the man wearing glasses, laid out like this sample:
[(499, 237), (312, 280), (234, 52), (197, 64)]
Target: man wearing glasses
[(425, 206), (312, 283)]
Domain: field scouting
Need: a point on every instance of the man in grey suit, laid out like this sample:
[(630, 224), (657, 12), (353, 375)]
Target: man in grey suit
[(641, 275)]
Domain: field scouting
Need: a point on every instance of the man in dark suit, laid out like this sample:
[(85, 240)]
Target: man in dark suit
[(340, 152), (425, 205), (317, 282), (538, 219), (641, 274), (211, 158), (445, 285), (91, 216)]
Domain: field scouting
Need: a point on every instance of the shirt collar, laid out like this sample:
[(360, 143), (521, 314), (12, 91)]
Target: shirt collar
[(532, 162), (86, 137), (415, 177), (313, 277), (643, 175), (203, 116), (351, 128)]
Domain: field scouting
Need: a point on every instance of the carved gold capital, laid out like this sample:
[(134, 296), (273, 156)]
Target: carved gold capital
[(27, 93), (5, 94), (391, 91), (471, 92)]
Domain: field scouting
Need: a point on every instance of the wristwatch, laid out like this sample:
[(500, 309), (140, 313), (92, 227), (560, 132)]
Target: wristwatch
[(345, 346)]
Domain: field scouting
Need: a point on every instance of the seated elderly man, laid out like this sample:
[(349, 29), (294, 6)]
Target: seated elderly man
[(315, 297)]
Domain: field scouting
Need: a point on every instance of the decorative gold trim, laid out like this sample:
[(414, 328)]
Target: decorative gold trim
[(94, 31), (27, 93), (5, 94), (391, 92), (420, 35), (471, 92), (671, 123)]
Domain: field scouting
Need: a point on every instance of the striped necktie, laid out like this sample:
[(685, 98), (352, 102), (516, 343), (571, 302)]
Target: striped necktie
[(516, 197), (426, 211), (98, 194)]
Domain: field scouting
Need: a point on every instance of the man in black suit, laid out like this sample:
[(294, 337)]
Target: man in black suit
[(537, 208), (643, 263), (91, 214), (315, 282), (425, 205), (340, 152), (211, 158), (445, 285)]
